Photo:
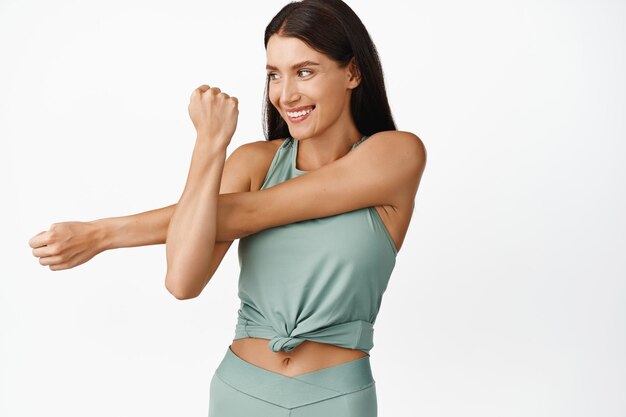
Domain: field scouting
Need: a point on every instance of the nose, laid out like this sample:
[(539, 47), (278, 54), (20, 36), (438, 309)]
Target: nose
[(289, 92)]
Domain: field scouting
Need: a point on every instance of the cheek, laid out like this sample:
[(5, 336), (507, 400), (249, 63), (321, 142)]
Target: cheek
[(271, 93), (331, 93), (329, 100)]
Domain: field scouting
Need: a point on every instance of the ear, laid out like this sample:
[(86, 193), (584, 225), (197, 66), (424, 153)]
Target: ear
[(354, 74)]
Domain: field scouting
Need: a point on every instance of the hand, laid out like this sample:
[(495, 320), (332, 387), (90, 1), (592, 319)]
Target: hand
[(66, 244), (214, 114)]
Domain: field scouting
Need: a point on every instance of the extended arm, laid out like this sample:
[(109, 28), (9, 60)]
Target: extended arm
[(142, 229), (150, 227), (338, 187), (375, 173)]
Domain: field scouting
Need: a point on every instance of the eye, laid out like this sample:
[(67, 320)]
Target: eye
[(271, 74)]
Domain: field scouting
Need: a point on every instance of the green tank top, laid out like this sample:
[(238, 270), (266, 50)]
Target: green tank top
[(319, 279)]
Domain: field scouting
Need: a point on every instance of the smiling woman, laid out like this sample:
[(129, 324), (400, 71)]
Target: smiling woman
[(310, 94), (332, 209), (321, 208)]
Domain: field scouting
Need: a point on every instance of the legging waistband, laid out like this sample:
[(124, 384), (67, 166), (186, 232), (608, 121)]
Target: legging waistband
[(294, 391)]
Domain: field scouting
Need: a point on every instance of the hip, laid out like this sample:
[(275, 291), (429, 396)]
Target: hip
[(241, 389)]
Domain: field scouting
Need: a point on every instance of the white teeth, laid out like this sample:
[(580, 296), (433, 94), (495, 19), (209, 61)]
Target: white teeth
[(300, 113)]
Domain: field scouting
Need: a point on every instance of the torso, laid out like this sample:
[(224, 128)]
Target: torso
[(310, 356)]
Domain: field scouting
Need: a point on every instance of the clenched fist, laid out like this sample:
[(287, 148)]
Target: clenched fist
[(67, 244), (214, 114)]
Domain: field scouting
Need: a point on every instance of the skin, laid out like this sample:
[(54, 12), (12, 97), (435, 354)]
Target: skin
[(384, 172), (329, 131), (191, 233)]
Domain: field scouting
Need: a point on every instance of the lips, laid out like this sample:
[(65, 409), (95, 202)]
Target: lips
[(297, 109), (300, 119)]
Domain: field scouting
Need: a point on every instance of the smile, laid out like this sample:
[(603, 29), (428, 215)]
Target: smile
[(300, 115)]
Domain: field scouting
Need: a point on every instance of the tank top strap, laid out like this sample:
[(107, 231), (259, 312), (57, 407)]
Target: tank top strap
[(278, 170), (357, 143), (290, 146)]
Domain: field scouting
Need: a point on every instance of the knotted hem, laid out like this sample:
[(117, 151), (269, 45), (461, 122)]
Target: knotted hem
[(357, 334)]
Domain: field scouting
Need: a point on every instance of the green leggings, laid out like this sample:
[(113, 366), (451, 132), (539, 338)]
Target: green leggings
[(241, 389)]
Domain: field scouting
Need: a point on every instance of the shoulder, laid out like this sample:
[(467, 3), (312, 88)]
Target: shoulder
[(398, 141), (399, 149), (255, 158), (259, 148)]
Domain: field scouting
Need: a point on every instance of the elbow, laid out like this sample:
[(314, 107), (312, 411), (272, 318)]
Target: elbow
[(179, 291), (182, 295)]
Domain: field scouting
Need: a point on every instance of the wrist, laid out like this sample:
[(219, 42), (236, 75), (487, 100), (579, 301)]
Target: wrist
[(211, 145), (104, 233)]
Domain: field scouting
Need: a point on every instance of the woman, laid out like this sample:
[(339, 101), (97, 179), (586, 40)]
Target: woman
[(321, 208)]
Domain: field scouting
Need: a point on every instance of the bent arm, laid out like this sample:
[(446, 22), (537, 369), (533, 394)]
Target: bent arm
[(192, 230)]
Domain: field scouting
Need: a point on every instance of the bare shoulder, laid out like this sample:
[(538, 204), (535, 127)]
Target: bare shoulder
[(257, 157), (399, 144), (401, 155)]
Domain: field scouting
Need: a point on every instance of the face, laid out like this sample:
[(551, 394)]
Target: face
[(299, 77)]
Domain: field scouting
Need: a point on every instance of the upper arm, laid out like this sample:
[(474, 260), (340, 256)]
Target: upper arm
[(385, 169)]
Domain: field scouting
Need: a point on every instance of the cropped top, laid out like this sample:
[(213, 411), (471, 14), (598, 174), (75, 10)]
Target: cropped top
[(320, 279)]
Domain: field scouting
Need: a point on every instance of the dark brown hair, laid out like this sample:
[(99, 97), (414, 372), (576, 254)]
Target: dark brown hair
[(331, 27)]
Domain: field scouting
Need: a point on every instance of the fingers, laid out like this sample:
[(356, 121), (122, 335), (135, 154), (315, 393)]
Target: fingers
[(198, 91), (233, 99), (51, 260), (213, 90), (203, 89), (44, 251), (39, 240)]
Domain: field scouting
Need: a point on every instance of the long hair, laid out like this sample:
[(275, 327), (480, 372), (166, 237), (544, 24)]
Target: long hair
[(332, 28)]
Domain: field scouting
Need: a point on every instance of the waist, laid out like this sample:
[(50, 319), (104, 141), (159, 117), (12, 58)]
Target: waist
[(356, 334), (308, 356)]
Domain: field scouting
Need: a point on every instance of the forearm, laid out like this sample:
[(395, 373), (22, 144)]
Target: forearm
[(192, 230), (150, 227), (147, 228), (235, 219)]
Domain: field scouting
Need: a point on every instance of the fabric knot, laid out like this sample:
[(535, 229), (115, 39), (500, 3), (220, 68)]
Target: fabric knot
[(287, 343)]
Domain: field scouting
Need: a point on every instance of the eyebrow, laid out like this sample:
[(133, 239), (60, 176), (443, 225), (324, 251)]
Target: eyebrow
[(294, 66)]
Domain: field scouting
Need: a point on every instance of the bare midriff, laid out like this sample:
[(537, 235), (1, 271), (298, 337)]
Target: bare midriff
[(307, 357)]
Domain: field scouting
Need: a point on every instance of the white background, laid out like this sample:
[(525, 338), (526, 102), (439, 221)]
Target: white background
[(508, 298)]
